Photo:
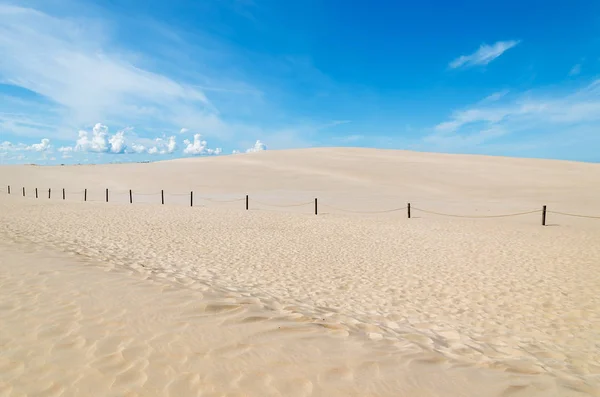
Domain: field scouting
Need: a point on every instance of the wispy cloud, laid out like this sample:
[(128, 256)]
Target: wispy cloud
[(575, 70), (525, 116), (495, 96), (59, 59), (484, 55)]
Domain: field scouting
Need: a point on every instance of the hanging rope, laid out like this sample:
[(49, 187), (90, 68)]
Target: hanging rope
[(282, 205), (476, 216), (574, 215), (363, 212)]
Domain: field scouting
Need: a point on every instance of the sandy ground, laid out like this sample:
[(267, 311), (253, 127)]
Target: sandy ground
[(150, 300)]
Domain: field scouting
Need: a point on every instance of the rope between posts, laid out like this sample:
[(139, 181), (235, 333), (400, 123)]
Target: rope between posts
[(279, 205), (574, 215), (363, 212), (221, 201), (477, 216)]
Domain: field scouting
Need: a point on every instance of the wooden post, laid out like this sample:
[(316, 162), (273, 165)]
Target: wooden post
[(84, 194), (130, 197), (191, 198), (36, 196), (408, 209), (63, 193), (49, 192), (162, 197), (246, 202), (107, 195), (8, 189), (23, 192), (544, 216), (316, 207)]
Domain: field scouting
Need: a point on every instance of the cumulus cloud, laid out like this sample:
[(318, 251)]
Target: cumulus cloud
[(183, 130), (199, 147), (484, 55), (100, 141), (171, 145), (258, 147), (117, 142), (137, 148), (43, 146), (163, 147)]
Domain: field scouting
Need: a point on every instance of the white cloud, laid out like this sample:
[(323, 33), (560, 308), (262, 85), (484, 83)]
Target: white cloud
[(183, 130), (164, 147), (529, 113), (66, 151), (199, 147), (99, 141), (117, 142), (137, 148), (484, 55), (71, 62), (43, 146), (258, 147), (171, 145), (575, 70), (495, 96)]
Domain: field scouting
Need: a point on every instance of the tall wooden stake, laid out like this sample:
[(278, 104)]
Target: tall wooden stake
[(408, 209), (36, 196), (246, 202), (85, 195), (130, 197), (192, 198), (316, 207), (544, 216), (49, 192), (63, 193), (162, 197), (107, 195)]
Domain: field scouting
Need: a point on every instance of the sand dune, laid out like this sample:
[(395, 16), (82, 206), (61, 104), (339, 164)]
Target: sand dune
[(169, 300)]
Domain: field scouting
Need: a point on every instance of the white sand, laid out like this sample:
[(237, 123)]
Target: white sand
[(427, 306)]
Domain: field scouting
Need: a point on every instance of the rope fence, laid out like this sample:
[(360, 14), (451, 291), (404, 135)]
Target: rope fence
[(478, 216), (105, 195), (364, 212)]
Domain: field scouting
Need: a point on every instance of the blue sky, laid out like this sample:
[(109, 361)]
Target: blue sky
[(133, 80)]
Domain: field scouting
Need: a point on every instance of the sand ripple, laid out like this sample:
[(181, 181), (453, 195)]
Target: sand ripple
[(218, 302)]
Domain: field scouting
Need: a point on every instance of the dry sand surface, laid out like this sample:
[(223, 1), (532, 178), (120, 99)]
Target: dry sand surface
[(144, 299)]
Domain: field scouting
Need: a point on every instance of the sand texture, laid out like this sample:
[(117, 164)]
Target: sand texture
[(145, 299)]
